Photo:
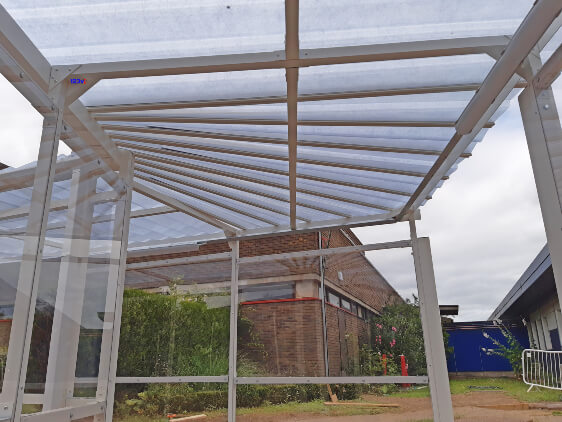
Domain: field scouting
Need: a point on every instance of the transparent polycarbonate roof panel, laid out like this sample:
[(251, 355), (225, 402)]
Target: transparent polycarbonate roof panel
[(185, 88), (442, 107), (84, 31), (336, 23), (167, 226), (221, 213), (438, 134), (259, 112), (551, 46), (395, 74)]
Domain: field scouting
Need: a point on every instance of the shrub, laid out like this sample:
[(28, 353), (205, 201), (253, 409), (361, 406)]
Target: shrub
[(159, 399), (512, 351)]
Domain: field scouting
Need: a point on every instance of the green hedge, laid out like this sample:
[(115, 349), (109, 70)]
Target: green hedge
[(159, 399)]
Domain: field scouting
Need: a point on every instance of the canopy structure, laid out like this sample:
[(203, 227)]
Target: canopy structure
[(270, 117), (246, 118)]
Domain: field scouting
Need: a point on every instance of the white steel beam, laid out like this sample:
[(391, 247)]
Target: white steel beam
[(432, 332), (454, 149), (498, 84), (283, 99), (107, 370), (327, 252), (543, 131), (292, 77), (233, 343), (549, 71), (65, 334), (144, 265), (183, 207), (279, 122), (243, 138), (535, 24), (334, 380), (278, 60), (66, 414), (28, 281)]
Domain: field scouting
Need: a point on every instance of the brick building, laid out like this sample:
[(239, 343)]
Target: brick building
[(282, 298)]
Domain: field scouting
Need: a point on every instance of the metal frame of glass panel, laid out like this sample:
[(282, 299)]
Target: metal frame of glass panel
[(235, 210)]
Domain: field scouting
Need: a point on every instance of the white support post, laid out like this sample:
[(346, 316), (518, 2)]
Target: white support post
[(11, 398), (233, 348), (107, 373), (544, 139), (65, 334), (432, 331)]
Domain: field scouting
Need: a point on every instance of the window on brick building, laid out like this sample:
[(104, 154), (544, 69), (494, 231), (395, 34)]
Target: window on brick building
[(346, 305), (267, 291), (333, 299)]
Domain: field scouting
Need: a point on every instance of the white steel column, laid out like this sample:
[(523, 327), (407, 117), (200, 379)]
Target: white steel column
[(544, 139), (233, 349), (115, 287), (65, 334), (11, 399), (432, 331)]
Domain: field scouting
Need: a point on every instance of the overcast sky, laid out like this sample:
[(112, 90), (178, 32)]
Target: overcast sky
[(484, 224)]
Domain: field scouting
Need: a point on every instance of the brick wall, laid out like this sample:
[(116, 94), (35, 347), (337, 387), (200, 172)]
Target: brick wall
[(346, 335), (5, 327), (220, 271), (291, 334), (360, 278), (290, 340)]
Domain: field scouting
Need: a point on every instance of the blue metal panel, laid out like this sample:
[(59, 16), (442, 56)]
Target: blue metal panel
[(467, 343)]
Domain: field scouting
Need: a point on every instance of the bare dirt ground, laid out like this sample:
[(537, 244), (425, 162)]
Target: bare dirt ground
[(467, 408)]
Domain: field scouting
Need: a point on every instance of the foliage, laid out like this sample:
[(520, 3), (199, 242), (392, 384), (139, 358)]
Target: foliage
[(160, 399), (173, 335), (396, 331), (512, 351)]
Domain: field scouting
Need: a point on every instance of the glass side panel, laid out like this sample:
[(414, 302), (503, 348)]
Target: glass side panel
[(160, 402), (176, 317), (123, 30), (281, 326), (327, 23), (79, 259)]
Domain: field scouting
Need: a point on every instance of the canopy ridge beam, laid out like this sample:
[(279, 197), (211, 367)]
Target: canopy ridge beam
[(118, 108), (277, 122), (260, 140), (279, 60)]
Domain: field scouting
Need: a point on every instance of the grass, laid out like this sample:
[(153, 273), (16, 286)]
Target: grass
[(316, 407), (512, 387)]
